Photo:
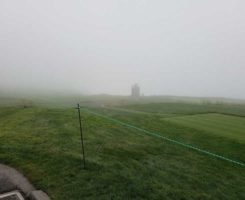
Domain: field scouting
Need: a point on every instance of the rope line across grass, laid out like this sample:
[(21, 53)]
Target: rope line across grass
[(167, 139)]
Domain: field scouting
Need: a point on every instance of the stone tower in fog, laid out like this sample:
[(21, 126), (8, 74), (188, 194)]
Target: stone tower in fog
[(135, 92)]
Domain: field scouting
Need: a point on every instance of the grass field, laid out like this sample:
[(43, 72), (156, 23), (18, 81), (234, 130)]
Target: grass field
[(219, 124), (124, 163), (188, 108)]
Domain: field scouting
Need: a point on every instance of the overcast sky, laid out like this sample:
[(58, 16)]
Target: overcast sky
[(172, 47)]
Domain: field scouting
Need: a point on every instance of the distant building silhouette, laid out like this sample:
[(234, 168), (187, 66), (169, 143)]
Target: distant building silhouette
[(135, 92)]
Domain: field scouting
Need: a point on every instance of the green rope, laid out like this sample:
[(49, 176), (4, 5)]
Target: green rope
[(166, 138)]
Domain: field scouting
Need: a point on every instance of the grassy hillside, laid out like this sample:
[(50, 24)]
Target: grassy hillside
[(122, 163)]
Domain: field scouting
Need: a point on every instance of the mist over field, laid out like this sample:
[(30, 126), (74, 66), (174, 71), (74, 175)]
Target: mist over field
[(122, 99), (182, 48)]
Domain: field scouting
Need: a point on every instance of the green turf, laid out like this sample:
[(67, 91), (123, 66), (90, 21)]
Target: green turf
[(188, 108), (44, 143), (218, 124)]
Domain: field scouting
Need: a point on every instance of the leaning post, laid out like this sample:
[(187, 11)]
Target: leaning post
[(81, 132)]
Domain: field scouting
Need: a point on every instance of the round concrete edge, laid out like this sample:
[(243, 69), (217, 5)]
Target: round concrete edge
[(17, 181), (38, 195)]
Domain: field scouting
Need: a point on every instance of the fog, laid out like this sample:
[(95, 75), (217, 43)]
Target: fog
[(189, 47)]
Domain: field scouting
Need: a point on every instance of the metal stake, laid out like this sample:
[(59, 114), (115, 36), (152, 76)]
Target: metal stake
[(81, 131)]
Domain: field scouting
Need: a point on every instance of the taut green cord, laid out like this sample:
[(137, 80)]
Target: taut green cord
[(166, 138)]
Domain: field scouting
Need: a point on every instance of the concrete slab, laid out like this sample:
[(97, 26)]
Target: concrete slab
[(11, 179), (15, 195), (38, 195), (14, 180), (5, 184)]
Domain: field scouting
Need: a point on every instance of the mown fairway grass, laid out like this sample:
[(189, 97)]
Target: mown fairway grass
[(188, 108), (122, 163), (218, 124)]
